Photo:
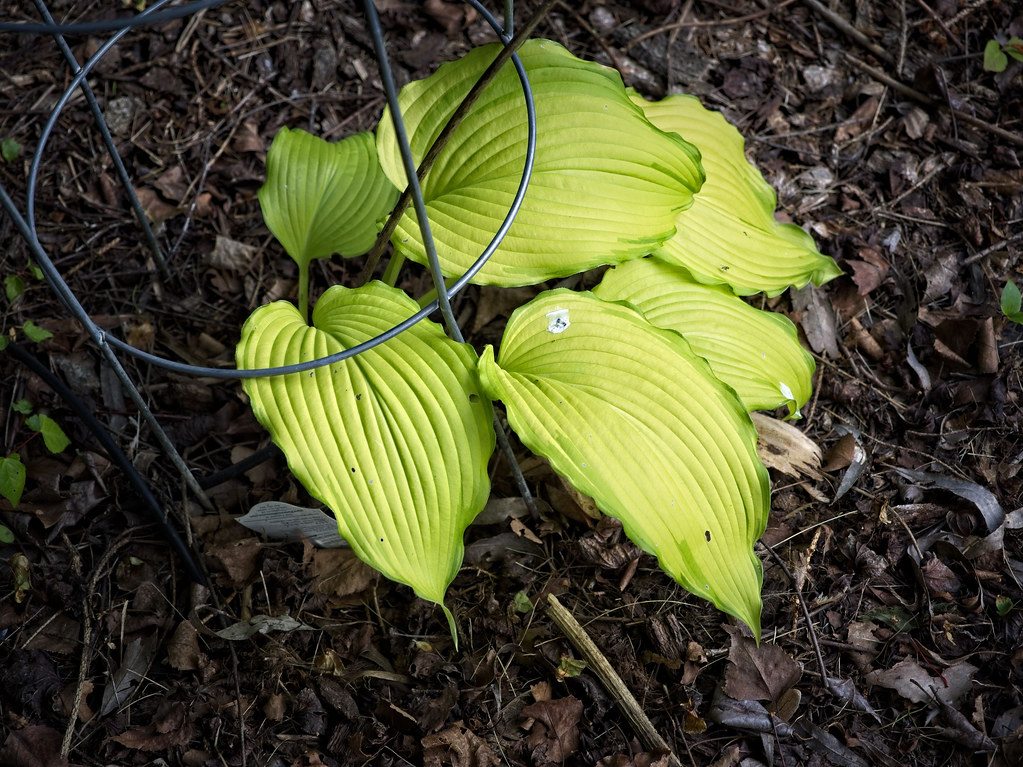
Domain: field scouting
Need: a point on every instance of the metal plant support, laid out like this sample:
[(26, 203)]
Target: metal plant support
[(110, 346)]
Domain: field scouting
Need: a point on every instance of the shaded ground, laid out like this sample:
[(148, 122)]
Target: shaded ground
[(910, 574)]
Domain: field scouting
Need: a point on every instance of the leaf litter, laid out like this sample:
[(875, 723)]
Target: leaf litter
[(911, 569)]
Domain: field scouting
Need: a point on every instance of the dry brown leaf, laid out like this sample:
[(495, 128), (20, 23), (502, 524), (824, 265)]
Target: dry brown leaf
[(171, 727), (239, 558), (155, 208), (764, 672), (231, 254), (339, 573), (183, 647), (32, 746), (458, 747), (554, 735), (818, 320)]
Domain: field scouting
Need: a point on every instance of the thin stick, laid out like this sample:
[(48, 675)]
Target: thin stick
[(850, 31), (577, 635), (923, 98)]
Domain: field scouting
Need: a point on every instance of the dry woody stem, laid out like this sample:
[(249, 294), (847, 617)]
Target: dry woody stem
[(577, 635)]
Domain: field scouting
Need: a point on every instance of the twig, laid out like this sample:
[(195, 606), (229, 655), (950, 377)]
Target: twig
[(923, 98), (850, 31), (86, 660), (806, 612), (993, 248), (441, 141), (715, 23), (577, 635)]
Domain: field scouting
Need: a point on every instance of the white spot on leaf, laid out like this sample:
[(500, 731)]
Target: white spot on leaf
[(557, 320)]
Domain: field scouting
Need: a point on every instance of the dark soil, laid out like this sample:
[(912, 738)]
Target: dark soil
[(898, 151)]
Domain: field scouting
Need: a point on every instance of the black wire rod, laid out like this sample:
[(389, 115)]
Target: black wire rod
[(124, 23), (67, 297), (156, 511)]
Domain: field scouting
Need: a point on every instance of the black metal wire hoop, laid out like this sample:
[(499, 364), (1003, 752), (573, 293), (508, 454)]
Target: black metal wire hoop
[(67, 297)]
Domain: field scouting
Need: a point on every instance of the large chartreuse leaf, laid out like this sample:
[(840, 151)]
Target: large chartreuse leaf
[(755, 352), (321, 198), (729, 235), (394, 440), (636, 420), (606, 186)]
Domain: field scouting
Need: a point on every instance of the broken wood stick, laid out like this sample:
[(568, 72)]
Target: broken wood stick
[(577, 635)]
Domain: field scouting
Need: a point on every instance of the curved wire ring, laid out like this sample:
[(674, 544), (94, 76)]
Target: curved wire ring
[(71, 302), (110, 25)]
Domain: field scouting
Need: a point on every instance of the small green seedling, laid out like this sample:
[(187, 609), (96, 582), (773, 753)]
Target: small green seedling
[(996, 54), (10, 149), (12, 470), (639, 393), (1011, 302)]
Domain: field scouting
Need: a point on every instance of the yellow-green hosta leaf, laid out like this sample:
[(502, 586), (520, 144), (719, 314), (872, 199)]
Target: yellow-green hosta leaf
[(394, 440), (729, 235), (632, 417), (322, 198), (606, 186), (755, 352)]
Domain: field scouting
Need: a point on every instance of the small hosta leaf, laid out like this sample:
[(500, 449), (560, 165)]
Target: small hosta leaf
[(394, 440), (755, 352), (729, 235), (322, 198), (606, 186), (632, 417)]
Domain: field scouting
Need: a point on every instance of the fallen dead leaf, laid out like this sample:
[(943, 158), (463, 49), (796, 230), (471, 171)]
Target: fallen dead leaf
[(171, 727), (183, 647), (459, 747), (32, 746), (911, 681), (554, 735), (231, 254), (764, 672), (783, 447)]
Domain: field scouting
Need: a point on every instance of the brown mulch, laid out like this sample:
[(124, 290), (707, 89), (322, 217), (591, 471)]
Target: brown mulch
[(896, 150)]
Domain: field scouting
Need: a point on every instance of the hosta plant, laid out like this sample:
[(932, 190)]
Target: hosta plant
[(638, 392)]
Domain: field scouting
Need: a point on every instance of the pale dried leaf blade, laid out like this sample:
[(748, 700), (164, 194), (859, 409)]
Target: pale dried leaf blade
[(137, 657), (985, 501), (783, 447), (912, 682), (261, 624)]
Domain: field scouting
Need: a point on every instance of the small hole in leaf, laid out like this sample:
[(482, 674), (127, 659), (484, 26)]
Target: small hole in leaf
[(358, 397), (474, 398), (353, 471), (706, 533)]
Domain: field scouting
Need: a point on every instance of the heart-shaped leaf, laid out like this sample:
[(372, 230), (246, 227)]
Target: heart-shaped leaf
[(394, 440), (633, 418), (321, 198), (755, 352), (729, 235), (605, 188)]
